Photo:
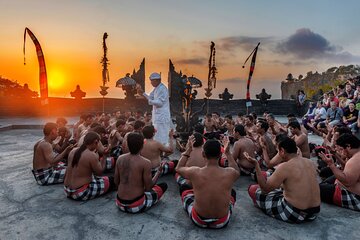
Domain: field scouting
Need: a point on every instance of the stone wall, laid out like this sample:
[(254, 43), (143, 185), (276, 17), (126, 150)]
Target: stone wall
[(72, 107)]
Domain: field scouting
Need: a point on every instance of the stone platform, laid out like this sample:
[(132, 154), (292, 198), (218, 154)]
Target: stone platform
[(30, 211)]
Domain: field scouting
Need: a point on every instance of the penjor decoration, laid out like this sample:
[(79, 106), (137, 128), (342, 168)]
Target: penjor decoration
[(211, 75), (252, 68), (105, 71), (42, 68)]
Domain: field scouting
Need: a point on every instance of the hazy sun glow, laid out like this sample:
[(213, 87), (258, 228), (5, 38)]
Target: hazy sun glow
[(56, 79)]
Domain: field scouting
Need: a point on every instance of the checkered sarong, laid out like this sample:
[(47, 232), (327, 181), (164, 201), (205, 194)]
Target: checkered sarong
[(168, 167), (346, 199), (141, 203), (188, 198), (275, 205), (97, 187), (180, 179), (52, 175), (115, 152)]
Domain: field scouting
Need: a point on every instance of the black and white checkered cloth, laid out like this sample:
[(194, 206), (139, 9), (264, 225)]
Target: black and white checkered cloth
[(52, 175), (143, 203), (275, 205), (349, 199), (97, 187)]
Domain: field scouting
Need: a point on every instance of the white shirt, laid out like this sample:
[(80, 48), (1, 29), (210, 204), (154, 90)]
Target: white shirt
[(159, 99)]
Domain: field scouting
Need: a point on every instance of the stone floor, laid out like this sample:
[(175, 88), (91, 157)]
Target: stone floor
[(29, 211)]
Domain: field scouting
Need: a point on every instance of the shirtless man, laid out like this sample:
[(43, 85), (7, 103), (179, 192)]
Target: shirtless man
[(345, 192), (250, 126), (116, 138), (85, 126), (300, 138), (137, 191), (82, 181), (274, 126), (196, 157), (228, 125), (210, 124), (153, 151), (243, 144), (46, 167), (209, 203), (265, 137), (298, 200), (137, 128)]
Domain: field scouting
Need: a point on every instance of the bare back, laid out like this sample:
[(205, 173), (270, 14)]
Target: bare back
[(82, 173), (352, 169), (196, 158), (133, 173), (212, 188), (301, 188), (303, 143), (244, 145), (151, 150), (43, 153)]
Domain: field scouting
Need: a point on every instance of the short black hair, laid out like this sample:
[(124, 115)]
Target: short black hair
[(120, 122), (212, 149), (240, 129), (288, 145), (99, 130), (135, 142), (251, 118), (294, 124), (138, 124), (264, 125), (199, 139), (49, 127), (279, 137), (148, 132), (198, 128), (347, 139)]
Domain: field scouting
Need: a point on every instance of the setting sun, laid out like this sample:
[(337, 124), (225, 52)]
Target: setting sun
[(56, 79)]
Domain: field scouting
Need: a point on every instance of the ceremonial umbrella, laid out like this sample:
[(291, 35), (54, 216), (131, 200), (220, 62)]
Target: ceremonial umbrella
[(125, 81), (195, 82)]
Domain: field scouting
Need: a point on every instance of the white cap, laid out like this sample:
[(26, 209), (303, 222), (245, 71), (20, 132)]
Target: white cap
[(155, 76)]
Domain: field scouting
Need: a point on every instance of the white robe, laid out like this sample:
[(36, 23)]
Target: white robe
[(159, 99)]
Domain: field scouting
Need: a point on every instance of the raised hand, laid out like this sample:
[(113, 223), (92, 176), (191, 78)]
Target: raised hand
[(326, 159)]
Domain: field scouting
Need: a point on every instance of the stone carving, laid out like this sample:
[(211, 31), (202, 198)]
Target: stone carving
[(78, 94), (263, 97), (226, 96)]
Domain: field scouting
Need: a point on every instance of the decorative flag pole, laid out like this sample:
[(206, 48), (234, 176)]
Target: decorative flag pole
[(42, 68), (252, 68), (105, 72)]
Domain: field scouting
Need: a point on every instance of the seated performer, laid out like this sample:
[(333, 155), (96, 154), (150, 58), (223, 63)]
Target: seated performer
[(209, 203), (196, 156), (345, 192), (153, 151), (243, 144), (299, 199), (300, 138), (83, 180), (47, 168), (137, 191)]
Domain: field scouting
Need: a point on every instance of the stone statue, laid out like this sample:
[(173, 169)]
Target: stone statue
[(78, 94), (226, 96), (263, 97)]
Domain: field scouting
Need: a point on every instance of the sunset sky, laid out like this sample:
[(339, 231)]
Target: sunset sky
[(296, 37)]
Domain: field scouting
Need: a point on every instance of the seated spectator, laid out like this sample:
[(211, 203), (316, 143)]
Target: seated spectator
[(350, 117)]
